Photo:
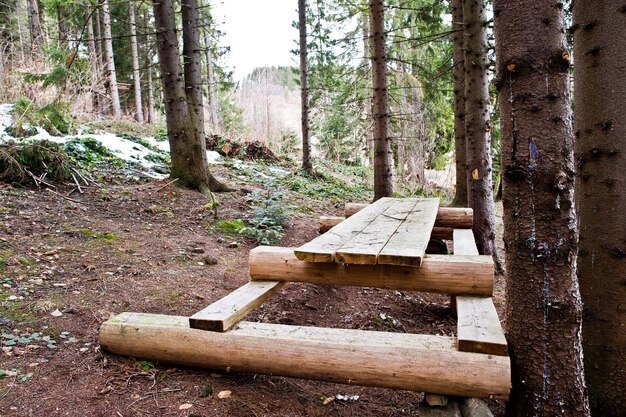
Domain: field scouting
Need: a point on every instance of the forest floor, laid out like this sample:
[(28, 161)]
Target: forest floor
[(67, 265)]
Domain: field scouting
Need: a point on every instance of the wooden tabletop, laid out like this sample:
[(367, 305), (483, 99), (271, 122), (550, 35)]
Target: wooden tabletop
[(393, 231)]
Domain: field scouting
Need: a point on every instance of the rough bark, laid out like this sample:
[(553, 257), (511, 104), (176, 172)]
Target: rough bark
[(36, 35), (460, 197), (477, 128), (192, 62), (98, 33), (304, 89), (383, 185), (150, 82), (187, 147), (134, 52), (544, 310), (600, 129), (108, 46)]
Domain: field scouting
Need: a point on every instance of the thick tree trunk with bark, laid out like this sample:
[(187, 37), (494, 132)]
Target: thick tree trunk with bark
[(460, 197), (99, 40), (134, 51), (304, 89), (477, 128), (192, 63), (544, 310), (600, 129), (383, 183), (108, 46), (187, 147), (36, 35)]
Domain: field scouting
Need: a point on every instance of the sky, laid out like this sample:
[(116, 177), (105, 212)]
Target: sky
[(259, 32)]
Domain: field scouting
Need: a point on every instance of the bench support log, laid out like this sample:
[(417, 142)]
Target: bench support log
[(444, 274), (391, 360)]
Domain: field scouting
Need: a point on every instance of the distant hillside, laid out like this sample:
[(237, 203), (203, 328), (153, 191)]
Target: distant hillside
[(282, 76)]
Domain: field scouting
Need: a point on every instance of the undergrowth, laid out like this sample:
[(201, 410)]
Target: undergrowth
[(19, 162)]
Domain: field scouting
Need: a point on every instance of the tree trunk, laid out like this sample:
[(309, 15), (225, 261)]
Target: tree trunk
[(187, 147), (135, 60), (367, 103), (600, 129), (98, 34), (304, 89), (383, 185), (192, 62), (108, 46), (62, 24), (149, 59), (93, 67), (460, 197), (544, 309), (213, 99), (36, 35), (477, 128)]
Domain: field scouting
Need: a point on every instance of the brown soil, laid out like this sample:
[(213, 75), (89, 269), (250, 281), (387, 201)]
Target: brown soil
[(137, 247)]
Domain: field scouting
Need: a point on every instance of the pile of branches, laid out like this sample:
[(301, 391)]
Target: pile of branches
[(34, 162), (255, 150)]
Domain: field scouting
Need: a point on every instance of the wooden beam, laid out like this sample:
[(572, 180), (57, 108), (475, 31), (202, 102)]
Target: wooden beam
[(455, 217), (478, 326), (391, 360), (328, 222), (463, 242), (407, 246), (323, 248), (364, 247), (446, 274), (228, 311)]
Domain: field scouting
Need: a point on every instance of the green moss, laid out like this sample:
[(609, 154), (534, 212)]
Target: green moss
[(96, 235), (229, 226)]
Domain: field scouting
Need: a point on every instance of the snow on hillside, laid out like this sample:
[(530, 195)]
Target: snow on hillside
[(134, 153)]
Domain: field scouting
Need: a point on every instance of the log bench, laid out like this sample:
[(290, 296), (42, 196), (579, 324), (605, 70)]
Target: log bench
[(382, 245)]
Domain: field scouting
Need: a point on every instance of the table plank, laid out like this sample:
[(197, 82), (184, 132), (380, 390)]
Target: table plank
[(226, 312), (364, 247), (478, 326), (323, 248), (407, 245), (463, 242)]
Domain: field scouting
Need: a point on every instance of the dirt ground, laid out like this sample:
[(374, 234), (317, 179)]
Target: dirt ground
[(70, 265)]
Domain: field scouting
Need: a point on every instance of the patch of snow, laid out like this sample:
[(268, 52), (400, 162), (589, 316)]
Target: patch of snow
[(213, 157), (122, 148)]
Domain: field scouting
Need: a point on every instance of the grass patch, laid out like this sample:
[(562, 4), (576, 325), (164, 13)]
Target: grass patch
[(230, 226), (97, 235)]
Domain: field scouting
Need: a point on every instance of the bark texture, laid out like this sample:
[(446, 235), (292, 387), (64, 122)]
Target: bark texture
[(544, 310), (36, 35), (477, 128), (383, 184), (134, 52), (192, 63), (460, 197), (304, 89), (108, 47), (187, 147), (600, 129)]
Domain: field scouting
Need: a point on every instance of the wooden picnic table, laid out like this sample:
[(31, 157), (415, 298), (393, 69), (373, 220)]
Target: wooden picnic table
[(391, 231)]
